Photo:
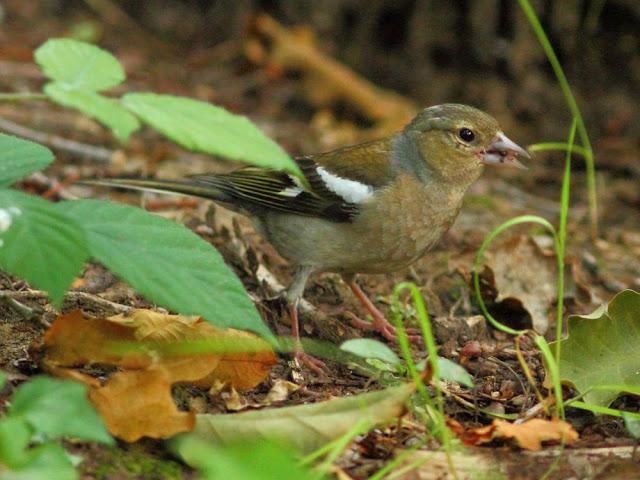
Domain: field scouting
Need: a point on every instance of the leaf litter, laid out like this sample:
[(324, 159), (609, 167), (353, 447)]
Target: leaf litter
[(612, 265)]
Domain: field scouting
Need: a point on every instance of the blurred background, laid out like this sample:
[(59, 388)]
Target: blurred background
[(316, 75)]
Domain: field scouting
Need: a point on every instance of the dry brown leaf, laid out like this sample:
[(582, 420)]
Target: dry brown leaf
[(529, 435), (532, 433), (73, 340), (280, 391), (245, 370), (136, 404), (136, 401), (524, 274)]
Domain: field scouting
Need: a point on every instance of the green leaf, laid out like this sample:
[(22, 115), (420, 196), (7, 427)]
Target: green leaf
[(58, 408), (166, 262), (45, 462), (19, 158), (14, 439), (306, 427), (632, 424), (39, 243), (107, 111), (79, 65), (369, 348), (258, 459), (203, 127), (453, 372), (602, 349)]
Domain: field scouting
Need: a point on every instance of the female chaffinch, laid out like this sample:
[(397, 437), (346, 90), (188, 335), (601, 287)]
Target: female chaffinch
[(375, 207)]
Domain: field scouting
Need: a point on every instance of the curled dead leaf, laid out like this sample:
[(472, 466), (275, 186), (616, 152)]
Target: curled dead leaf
[(136, 401), (529, 435)]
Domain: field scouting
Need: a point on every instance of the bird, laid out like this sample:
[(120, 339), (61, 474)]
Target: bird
[(370, 208)]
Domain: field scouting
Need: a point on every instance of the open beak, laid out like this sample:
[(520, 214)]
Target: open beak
[(504, 151)]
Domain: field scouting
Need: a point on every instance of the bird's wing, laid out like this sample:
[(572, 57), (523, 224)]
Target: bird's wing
[(337, 183), (257, 190)]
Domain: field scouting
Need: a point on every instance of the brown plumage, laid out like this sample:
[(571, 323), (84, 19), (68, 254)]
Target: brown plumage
[(370, 208)]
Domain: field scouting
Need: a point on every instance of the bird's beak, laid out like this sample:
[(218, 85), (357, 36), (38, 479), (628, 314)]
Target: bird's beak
[(504, 151)]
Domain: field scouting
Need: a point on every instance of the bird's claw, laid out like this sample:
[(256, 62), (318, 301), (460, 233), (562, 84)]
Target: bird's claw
[(385, 328), (313, 363)]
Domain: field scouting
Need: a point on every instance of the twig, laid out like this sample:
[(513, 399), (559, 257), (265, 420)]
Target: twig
[(72, 296), (534, 411), (54, 187), (25, 312), (92, 152), (265, 276), (19, 96)]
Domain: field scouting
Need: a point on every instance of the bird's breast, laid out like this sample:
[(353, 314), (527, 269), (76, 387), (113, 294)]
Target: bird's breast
[(395, 228)]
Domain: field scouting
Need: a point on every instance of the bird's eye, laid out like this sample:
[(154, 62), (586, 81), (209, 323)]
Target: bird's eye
[(466, 135)]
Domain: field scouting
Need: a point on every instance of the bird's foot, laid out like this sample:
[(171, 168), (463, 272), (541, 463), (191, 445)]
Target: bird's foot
[(384, 327), (313, 363), (379, 324)]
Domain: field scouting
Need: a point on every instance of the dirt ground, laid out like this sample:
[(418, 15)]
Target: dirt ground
[(280, 103)]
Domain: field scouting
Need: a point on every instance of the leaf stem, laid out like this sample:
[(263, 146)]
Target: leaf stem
[(20, 96)]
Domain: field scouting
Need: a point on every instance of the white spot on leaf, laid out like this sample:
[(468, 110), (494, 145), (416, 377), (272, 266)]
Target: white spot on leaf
[(6, 217)]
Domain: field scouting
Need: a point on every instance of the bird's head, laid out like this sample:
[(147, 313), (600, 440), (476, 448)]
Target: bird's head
[(456, 141)]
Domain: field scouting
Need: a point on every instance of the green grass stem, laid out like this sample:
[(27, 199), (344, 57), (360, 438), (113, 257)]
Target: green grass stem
[(573, 107)]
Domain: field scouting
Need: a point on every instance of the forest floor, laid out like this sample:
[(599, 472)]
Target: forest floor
[(277, 102)]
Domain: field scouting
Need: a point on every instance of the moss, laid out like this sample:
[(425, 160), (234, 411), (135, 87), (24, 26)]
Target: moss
[(134, 462)]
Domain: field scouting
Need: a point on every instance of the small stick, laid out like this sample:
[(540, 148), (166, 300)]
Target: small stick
[(92, 152), (72, 295)]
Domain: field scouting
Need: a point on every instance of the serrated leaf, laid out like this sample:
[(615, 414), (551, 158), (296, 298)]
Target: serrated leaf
[(203, 127), (453, 372), (306, 427), (632, 425), (242, 461), (79, 65), (15, 436), (58, 408), (39, 243), (602, 349), (166, 262), (19, 158), (48, 461), (107, 111), (369, 348)]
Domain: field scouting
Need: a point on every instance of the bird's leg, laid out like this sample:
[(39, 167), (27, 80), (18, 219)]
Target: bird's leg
[(380, 323), (293, 295)]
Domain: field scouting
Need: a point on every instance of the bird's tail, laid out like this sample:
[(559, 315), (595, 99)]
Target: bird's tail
[(211, 189)]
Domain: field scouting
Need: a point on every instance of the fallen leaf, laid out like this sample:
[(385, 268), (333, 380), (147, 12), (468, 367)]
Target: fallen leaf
[(532, 433), (524, 274), (602, 349), (529, 435), (280, 391), (136, 401), (73, 340), (136, 404), (306, 427)]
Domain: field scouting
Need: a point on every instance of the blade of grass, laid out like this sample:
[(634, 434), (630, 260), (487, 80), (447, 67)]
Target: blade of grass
[(480, 256), (573, 107), (554, 373), (562, 241), (599, 410), (423, 317), (393, 465), (556, 146)]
